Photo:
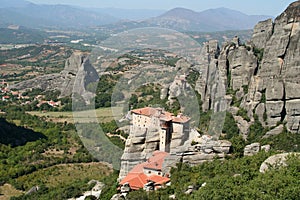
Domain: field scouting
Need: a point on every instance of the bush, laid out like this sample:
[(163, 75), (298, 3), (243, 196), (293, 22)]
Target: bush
[(243, 113), (230, 128)]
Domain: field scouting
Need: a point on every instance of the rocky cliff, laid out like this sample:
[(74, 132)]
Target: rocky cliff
[(260, 76), (277, 79), (77, 67)]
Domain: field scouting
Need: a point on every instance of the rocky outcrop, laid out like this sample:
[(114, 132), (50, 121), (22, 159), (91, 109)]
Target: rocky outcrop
[(242, 64), (206, 148), (279, 71), (139, 146), (243, 125), (211, 83), (252, 149), (77, 71), (275, 131), (262, 33), (275, 161)]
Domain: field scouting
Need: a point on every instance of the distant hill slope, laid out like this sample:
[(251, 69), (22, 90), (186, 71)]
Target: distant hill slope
[(22, 35), (130, 14), (13, 3), (59, 16), (24, 13), (219, 19)]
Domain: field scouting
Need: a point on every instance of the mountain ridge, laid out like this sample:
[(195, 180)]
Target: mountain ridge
[(32, 15), (218, 19)]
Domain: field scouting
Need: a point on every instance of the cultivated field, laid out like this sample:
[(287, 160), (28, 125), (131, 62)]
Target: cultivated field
[(101, 115)]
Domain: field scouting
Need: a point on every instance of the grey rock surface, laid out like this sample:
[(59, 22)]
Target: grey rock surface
[(275, 131), (278, 160), (262, 33), (252, 149)]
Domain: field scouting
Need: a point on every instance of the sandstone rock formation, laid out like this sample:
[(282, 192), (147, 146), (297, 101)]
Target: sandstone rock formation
[(278, 75), (77, 67), (262, 33), (142, 142)]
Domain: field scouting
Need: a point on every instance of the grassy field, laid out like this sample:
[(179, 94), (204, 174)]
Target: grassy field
[(102, 115), (7, 191), (65, 174), (56, 176)]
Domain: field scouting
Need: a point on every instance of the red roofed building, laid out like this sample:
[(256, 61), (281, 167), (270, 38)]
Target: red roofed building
[(147, 174), (167, 122)]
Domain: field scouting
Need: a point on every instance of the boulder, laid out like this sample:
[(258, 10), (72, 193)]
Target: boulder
[(223, 146), (277, 160), (275, 131), (251, 149), (266, 148), (243, 125)]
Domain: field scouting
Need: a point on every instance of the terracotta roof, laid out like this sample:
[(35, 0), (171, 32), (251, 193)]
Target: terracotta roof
[(156, 161), (147, 111), (161, 114), (158, 180), (181, 119), (136, 177), (135, 181)]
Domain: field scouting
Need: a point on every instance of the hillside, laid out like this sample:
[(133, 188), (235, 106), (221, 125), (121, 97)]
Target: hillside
[(45, 16), (219, 19), (63, 16)]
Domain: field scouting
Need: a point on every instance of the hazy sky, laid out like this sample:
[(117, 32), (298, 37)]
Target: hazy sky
[(262, 7)]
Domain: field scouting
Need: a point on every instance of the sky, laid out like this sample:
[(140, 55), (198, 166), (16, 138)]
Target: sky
[(250, 7)]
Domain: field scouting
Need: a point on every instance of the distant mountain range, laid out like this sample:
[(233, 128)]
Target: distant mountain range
[(24, 13), (56, 16), (219, 19)]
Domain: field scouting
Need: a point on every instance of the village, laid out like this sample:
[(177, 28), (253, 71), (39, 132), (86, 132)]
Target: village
[(19, 97)]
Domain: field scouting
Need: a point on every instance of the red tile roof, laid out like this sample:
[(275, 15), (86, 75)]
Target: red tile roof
[(161, 114), (136, 181), (156, 161), (147, 111), (136, 177), (158, 180)]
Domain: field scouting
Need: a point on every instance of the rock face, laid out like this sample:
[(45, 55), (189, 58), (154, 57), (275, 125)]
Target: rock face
[(77, 67), (210, 84), (139, 146), (262, 33), (278, 75)]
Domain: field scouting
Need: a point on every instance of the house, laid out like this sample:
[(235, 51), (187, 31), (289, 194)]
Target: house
[(167, 123), (147, 175), (53, 103), (5, 98)]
